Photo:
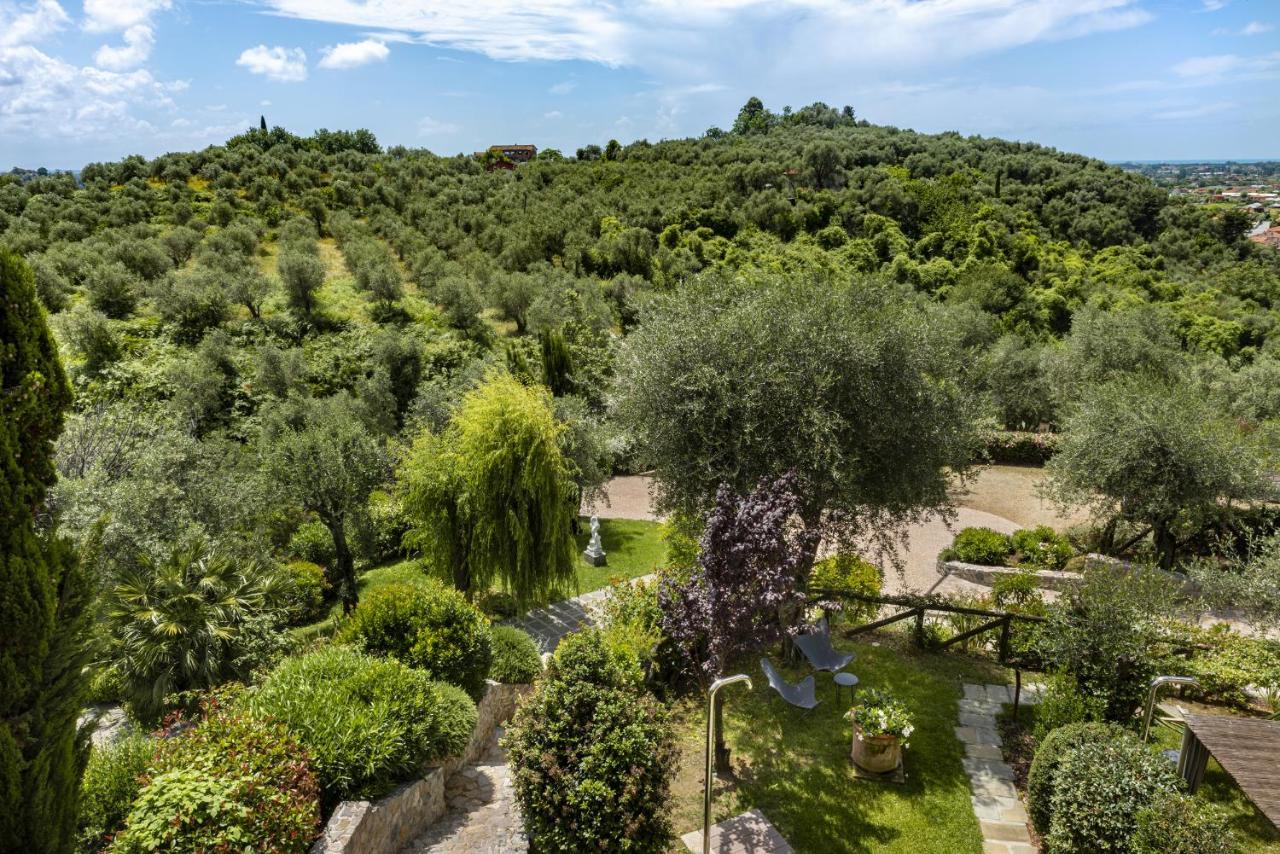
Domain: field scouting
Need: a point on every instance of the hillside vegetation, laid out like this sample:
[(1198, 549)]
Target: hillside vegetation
[(202, 300)]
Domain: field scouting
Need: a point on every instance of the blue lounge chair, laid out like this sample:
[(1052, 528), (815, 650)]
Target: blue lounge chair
[(818, 649), (802, 695)]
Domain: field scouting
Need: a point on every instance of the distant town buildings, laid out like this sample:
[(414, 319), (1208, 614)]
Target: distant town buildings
[(506, 156), (1270, 237)]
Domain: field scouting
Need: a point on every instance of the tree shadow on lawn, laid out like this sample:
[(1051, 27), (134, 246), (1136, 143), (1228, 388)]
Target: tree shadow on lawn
[(794, 765)]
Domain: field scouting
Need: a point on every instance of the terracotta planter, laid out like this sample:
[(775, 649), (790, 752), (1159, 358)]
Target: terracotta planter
[(878, 754)]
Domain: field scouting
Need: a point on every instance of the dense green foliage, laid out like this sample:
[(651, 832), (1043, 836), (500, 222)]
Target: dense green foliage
[(979, 545), (1041, 779), (367, 723), (490, 497), (846, 384), (1181, 824), (232, 782), (43, 593), (592, 754), (426, 626), (516, 660), (111, 782), (849, 572), (1099, 789), (187, 623)]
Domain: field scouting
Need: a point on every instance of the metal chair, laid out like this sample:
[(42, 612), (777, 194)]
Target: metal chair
[(802, 695)]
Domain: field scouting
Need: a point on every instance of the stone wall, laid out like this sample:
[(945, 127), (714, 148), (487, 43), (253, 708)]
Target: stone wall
[(390, 823), (987, 575)]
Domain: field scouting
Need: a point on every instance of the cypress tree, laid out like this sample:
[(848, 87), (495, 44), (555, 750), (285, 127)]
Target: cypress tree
[(43, 594), (557, 362)]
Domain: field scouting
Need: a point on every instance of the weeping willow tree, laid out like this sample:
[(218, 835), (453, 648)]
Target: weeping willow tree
[(490, 497)]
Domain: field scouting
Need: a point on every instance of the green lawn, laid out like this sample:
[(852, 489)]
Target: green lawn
[(634, 548), (794, 765)]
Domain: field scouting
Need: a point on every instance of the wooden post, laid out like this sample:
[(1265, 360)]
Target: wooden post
[(1017, 691), (1004, 639)]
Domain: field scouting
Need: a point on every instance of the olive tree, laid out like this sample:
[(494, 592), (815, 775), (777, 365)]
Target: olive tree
[(848, 385), (1156, 453), (320, 456)]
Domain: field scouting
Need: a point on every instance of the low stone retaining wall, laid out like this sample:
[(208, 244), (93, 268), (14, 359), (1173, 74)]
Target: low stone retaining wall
[(1046, 579), (390, 823)]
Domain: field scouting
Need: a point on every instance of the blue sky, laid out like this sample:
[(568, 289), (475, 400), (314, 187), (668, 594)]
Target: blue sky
[(1117, 79)]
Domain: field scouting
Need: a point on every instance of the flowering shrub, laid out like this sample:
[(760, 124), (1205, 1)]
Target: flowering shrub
[(229, 783), (1019, 448), (880, 713)]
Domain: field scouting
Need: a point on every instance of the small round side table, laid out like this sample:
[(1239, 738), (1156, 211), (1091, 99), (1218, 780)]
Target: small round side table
[(844, 680)]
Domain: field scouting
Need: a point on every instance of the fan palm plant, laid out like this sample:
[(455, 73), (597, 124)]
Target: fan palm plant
[(181, 623)]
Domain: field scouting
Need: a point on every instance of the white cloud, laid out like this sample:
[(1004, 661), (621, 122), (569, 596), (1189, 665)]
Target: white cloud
[(283, 64), (553, 114), (47, 97), (1256, 28), (1214, 5), (563, 88), (102, 16), (428, 126), (34, 24), (1215, 69), (264, 103), (756, 36), (138, 41), (354, 54)]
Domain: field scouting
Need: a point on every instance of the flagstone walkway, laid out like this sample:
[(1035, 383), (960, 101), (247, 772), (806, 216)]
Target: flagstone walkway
[(1001, 816)]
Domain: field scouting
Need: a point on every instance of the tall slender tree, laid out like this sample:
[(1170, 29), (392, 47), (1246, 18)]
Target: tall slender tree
[(43, 594)]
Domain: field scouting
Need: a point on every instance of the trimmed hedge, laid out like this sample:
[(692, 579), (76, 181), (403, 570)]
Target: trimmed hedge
[(593, 754), (427, 626), (516, 660), (1044, 766), (1098, 791), (368, 723)]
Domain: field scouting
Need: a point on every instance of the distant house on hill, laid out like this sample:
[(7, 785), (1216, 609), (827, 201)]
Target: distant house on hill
[(506, 156), (1270, 237), (516, 153)]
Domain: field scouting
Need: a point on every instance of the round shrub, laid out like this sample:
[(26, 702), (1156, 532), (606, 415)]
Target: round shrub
[(981, 546), (1044, 766), (1098, 791), (515, 657), (313, 543), (306, 591), (110, 783), (368, 723), (851, 573), (428, 626), (1042, 548), (592, 754), (230, 783), (1181, 824)]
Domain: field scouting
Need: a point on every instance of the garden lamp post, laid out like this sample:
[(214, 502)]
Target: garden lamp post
[(711, 742)]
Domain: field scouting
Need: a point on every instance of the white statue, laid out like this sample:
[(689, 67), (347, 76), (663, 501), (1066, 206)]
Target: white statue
[(594, 552)]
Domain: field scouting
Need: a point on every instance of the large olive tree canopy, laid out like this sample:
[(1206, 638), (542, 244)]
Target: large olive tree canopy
[(851, 385)]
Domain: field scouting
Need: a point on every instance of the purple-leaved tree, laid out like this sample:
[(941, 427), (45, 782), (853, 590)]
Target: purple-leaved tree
[(732, 601)]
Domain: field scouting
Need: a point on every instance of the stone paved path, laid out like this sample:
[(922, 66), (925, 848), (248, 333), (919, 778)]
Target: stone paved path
[(482, 817), (1001, 816), (548, 625)]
